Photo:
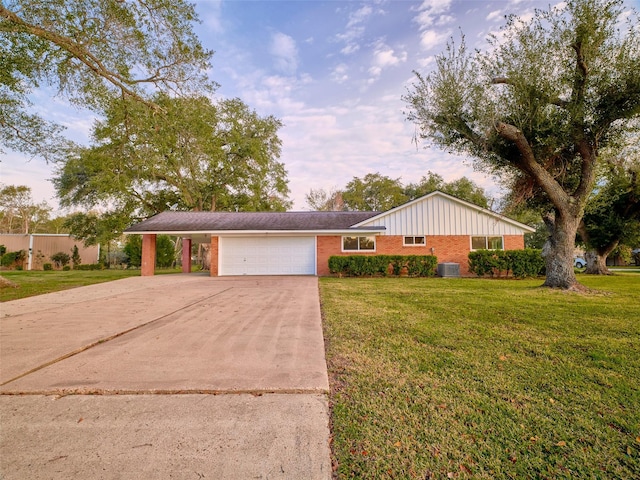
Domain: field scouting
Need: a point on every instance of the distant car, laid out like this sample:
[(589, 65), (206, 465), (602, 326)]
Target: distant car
[(579, 262)]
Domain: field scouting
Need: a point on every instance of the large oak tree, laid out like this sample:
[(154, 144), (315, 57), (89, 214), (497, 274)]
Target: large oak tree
[(536, 108), (90, 51), (193, 154)]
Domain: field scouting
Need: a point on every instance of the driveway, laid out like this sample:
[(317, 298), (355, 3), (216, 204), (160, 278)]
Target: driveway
[(180, 376)]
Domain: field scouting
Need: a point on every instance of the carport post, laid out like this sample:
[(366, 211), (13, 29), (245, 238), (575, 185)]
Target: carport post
[(148, 266), (186, 255)]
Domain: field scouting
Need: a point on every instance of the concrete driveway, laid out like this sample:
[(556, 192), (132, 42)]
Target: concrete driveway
[(180, 376)]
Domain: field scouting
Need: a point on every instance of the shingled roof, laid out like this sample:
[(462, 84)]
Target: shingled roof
[(252, 221)]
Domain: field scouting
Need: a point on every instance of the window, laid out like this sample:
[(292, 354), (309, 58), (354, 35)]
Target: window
[(490, 243), (358, 243), (415, 241)]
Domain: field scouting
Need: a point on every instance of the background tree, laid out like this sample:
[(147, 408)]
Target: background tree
[(373, 192), (194, 155), (18, 211), (537, 106), (612, 216), (75, 256), (462, 188), (364, 192), (325, 201), (165, 251), (91, 51)]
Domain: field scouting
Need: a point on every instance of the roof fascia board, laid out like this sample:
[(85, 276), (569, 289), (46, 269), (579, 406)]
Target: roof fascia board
[(454, 199), (235, 233)]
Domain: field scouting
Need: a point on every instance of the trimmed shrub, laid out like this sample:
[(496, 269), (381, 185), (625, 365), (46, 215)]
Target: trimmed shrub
[(89, 266), (383, 265), (66, 268), (47, 266), (520, 263)]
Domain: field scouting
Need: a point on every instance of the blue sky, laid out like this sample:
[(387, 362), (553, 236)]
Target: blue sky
[(333, 72)]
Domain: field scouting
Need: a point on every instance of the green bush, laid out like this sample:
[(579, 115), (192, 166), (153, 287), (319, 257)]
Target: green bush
[(89, 266), (13, 259), (66, 268), (520, 263), (382, 265), (47, 266), (60, 259)]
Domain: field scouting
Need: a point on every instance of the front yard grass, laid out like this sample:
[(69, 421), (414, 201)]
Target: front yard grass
[(472, 378), (36, 282)]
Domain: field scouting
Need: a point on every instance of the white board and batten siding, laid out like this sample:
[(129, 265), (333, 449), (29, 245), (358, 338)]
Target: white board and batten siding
[(267, 255), (441, 214)]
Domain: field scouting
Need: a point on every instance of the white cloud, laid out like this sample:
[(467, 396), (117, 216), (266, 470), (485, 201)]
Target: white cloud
[(433, 38), (495, 15), (429, 11), (339, 73), (359, 16), (284, 49), (384, 57)]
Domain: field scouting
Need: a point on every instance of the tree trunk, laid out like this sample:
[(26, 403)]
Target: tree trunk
[(596, 263), (558, 253), (597, 260)]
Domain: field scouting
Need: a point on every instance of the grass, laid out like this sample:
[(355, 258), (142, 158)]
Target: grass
[(473, 378), (35, 282)]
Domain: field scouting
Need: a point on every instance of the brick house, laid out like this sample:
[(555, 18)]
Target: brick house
[(300, 243)]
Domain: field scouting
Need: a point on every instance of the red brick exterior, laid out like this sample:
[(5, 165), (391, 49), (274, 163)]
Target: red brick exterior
[(148, 261), (213, 266), (447, 248)]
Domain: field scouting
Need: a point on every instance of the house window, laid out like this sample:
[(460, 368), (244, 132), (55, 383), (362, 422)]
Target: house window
[(358, 243), (413, 241), (490, 243)]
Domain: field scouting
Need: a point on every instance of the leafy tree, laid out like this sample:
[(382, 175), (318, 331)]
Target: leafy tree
[(462, 188), (91, 51), (165, 251), (94, 228), (323, 201), (18, 212), (194, 155), (537, 106), (75, 256), (612, 216), (374, 192)]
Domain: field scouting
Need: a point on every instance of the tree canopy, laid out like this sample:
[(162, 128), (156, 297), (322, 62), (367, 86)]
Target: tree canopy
[(376, 192), (536, 107), (192, 155), (19, 213), (91, 51)]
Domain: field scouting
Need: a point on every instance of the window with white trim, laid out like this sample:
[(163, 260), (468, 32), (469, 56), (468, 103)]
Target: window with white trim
[(486, 243), (356, 244), (414, 241)]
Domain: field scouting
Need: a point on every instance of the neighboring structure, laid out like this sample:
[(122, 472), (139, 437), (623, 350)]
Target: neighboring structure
[(300, 243), (40, 246)]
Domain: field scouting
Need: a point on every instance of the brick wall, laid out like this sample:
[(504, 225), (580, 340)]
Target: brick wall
[(447, 248), (213, 259)]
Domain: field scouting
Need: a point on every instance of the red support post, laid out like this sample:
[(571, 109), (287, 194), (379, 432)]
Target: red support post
[(148, 255), (186, 255)]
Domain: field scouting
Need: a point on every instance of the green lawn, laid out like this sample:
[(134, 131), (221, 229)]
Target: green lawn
[(472, 378), (37, 282)]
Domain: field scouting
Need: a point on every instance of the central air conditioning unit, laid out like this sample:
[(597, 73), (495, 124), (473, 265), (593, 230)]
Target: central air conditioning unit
[(448, 270)]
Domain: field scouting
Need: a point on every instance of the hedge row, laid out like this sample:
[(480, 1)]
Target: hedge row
[(520, 263), (89, 266), (363, 265)]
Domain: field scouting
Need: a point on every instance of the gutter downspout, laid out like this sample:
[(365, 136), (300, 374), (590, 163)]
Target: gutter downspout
[(30, 252)]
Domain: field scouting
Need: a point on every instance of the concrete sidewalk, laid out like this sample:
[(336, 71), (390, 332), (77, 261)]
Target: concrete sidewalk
[(181, 376)]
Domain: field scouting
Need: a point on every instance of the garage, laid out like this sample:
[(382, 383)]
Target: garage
[(267, 255)]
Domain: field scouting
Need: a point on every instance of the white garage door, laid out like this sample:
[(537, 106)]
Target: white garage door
[(267, 256)]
